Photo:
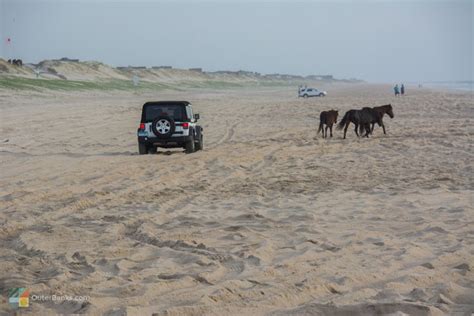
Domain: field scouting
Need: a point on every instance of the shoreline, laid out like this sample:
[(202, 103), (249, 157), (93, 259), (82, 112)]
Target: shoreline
[(452, 86)]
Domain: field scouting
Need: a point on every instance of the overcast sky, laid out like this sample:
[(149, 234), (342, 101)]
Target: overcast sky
[(384, 41)]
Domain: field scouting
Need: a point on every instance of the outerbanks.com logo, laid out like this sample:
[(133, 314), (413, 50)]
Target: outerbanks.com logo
[(20, 297)]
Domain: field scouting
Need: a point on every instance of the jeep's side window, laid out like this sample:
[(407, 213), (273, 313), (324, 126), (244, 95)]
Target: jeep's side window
[(189, 113)]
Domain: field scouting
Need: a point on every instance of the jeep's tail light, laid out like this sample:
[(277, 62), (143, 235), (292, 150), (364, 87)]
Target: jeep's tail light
[(142, 126), (185, 125)]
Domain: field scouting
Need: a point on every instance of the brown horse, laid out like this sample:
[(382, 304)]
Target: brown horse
[(384, 109), (329, 118), (361, 119)]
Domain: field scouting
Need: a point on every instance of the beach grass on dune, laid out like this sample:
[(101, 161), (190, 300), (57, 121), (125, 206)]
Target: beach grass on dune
[(32, 84), (20, 83)]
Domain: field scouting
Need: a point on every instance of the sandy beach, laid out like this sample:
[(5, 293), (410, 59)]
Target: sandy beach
[(269, 219)]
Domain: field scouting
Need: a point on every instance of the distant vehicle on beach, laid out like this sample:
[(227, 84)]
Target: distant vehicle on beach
[(306, 92)]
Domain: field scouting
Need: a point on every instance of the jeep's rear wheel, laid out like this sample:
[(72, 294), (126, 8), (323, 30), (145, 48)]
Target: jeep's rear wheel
[(142, 149), (200, 143), (190, 146), (305, 96)]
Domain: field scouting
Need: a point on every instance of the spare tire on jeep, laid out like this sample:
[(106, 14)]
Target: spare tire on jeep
[(163, 126)]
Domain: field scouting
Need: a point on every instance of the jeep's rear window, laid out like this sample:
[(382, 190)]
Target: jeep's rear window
[(175, 111)]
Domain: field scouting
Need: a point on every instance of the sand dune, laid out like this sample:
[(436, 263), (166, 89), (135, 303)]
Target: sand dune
[(269, 219), (93, 71)]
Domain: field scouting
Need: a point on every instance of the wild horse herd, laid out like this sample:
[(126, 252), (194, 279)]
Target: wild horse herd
[(364, 120)]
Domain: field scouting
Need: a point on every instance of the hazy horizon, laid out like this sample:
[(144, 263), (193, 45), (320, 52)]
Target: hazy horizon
[(378, 41)]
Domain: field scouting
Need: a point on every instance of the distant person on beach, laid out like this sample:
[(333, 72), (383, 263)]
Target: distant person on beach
[(402, 89), (395, 89)]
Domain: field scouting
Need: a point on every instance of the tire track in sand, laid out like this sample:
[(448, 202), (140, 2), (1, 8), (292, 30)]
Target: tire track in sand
[(228, 136)]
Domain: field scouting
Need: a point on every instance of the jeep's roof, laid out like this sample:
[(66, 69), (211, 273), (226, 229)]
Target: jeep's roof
[(167, 102)]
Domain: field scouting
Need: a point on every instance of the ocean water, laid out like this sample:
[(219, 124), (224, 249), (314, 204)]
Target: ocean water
[(451, 85)]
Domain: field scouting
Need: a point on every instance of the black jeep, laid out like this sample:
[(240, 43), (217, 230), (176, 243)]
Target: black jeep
[(169, 124)]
